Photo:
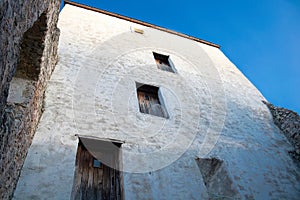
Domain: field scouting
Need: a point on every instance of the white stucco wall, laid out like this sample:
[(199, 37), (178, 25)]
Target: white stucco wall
[(214, 112)]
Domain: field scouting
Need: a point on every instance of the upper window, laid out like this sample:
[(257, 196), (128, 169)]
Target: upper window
[(163, 62), (149, 101)]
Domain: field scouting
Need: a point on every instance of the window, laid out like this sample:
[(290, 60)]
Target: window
[(163, 62), (96, 163), (149, 101)]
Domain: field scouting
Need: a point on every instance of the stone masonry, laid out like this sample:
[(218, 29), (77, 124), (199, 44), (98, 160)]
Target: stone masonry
[(289, 123), (28, 54)]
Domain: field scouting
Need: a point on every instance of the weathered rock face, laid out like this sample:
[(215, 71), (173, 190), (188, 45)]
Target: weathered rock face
[(289, 123), (28, 54)]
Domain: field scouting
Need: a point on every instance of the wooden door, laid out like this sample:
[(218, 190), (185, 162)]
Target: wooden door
[(94, 180)]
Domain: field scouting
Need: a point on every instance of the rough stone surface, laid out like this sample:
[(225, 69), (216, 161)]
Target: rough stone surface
[(28, 54), (288, 122), (214, 112)]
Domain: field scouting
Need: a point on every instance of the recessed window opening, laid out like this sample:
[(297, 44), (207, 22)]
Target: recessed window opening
[(150, 101), (163, 62)]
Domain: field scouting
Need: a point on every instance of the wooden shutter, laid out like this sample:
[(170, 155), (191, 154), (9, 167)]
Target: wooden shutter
[(163, 66), (162, 62), (149, 102)]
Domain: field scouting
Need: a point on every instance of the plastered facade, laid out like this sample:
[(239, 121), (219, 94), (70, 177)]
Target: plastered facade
[(214, 111)]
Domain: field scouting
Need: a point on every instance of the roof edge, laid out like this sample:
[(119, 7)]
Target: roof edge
[(141, 23)]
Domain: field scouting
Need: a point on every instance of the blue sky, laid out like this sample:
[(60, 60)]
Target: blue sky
[(262, 38)]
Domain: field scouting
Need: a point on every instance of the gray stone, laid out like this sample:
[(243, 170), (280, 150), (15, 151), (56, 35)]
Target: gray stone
[(288, 122)]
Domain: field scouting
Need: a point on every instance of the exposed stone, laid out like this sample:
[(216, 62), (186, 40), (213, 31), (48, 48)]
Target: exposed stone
[(28, 53), (289, 123)]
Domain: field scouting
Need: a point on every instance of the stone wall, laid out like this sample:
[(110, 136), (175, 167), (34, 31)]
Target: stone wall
[(214, 112), (28, 54), (289, 123)]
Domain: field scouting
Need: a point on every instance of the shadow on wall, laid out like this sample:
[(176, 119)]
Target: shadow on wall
[(216, 179)]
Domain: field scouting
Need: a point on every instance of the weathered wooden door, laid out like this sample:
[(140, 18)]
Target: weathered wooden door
[(93, 179)]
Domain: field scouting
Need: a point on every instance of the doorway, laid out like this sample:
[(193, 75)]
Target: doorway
[(97, 171)]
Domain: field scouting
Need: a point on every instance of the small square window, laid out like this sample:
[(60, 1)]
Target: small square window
[(96, 163), (149, 102), (163, 62)]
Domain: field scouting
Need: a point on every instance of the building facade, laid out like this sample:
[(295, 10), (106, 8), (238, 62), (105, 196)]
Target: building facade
[(135, 111)]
